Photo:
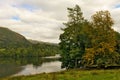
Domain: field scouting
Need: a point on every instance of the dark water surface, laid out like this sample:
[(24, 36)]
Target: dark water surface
[(28, 66)]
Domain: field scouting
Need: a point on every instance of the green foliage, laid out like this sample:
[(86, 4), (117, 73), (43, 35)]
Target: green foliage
[(73, 39), (87, 43), (13, 44), (35, 50)]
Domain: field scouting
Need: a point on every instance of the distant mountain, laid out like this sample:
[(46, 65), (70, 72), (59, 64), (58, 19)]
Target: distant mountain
[(34, 41), (9, 38), (41, 42)]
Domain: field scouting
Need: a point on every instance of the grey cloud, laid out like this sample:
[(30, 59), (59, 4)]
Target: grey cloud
[(44, 22)]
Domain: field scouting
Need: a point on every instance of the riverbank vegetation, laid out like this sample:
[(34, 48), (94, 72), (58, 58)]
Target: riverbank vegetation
[(75, 74), (32, 50), (86, 43)]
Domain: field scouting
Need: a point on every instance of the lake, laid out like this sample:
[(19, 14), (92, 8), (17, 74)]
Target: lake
[(28, 66)]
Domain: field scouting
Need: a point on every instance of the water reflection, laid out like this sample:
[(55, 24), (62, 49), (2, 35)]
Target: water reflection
[(45, 67), (28, 66), (9, 69)]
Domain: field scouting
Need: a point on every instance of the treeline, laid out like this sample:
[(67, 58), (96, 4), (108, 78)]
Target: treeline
[(87, 43), (33, 50)]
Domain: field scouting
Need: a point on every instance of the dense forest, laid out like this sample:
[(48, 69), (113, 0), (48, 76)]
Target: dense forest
[(34, 50), (89, 42), (15, 45)]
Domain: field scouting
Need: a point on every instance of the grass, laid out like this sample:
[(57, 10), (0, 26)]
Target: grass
[(73, 75)]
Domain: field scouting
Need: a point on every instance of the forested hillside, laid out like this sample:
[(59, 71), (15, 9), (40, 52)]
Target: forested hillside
[(9, 38), (13, 44)]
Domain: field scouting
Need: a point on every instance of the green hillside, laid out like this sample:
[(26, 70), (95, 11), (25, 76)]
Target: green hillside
[(13, 44), (9, 38)]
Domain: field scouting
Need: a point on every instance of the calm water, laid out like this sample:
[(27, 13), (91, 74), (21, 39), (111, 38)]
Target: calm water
[(28, 66)]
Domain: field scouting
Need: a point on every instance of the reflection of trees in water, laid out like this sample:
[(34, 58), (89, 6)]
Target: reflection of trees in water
[(8, 69), (9, 66), (36, 61)]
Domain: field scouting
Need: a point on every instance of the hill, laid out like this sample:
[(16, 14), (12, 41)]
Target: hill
[(13, 44), (9, 38)]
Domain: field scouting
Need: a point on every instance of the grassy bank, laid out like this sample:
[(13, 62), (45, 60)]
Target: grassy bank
[(73, 75)]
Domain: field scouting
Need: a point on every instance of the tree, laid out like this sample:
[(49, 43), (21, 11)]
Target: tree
[(103, 51), (86, 43), (73, 39)]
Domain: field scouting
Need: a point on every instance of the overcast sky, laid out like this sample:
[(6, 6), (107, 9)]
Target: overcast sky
[(42, 19)]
